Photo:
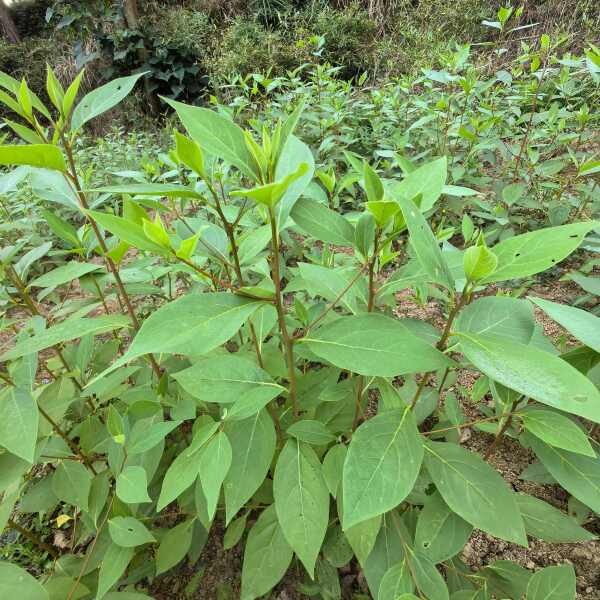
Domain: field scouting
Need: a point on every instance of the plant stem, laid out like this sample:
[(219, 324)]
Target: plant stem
[(73, 178), (504, 427), (288, 342), (33, 538)]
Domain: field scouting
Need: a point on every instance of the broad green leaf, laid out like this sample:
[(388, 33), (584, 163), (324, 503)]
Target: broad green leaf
[(190, 154), (129, 532), (578, 474), (61, 586), (102, 99), (582, 324), (63, 229), (128, 232), (63, 332), (322, 223), (64, 274), (428, 180), (374, 345), (112, 567), (234, 532), (18, 422), (474, 491), (336, 548), (184, 470), (174, 546), (216, 135), (333, 467), (301, 501), (553, 583), (428, 579), (311, 432), (71, 483), (39, 497), (557, 430), (228, 378), (506, 579), (396, 582), (146, 439), (363, 536), (16, 582), (381, 466), (533, 373), (425, 244), (44, 156), (168, 190), (192, 325), (132, 485), (536, 251), (372, 183), (387, 551), (479, 262), (498, 315), (267, 556), (441, 533), (253, 445), (215, 461), (547, 523), (383, 212), (331, 283)]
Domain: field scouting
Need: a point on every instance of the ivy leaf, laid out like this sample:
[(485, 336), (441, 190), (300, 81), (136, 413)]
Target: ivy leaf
[(475, 491), (16, 582), (267, 556), (381, 466), (112, 567), (174, 546), (301, 501), (71, 483), (18, 422), (553, 583)]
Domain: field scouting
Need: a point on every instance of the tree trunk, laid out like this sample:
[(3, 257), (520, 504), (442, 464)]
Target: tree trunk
[(9, 29), (131, 15)]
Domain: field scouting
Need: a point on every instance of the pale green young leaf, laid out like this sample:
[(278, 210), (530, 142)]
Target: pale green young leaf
[(132, 485), (322, 223), (26, 134), (63, 332), (148, 438), (44, 156), (55, 90), (374, 345), (553, 583), (479, 262), (129, 532), (383, 211), (216, 135), (235, 531), (381, 466), (16, 582), (168, 190), (71, 483), (301, 501), (474, 491), (373, 185), (71, 93), (18, 422), (63, 229), (115, 561), (102, 99), (253, 445), (174, 546), (333, 468), (156, 232), (557, 430), (363, 536), (267, 556), (425, 244), (547, 523), (536, 251), (215, 461), (582, 324), (534, 373), (190, 154)]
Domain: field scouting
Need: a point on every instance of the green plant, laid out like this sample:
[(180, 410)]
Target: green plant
[(263, 381)]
